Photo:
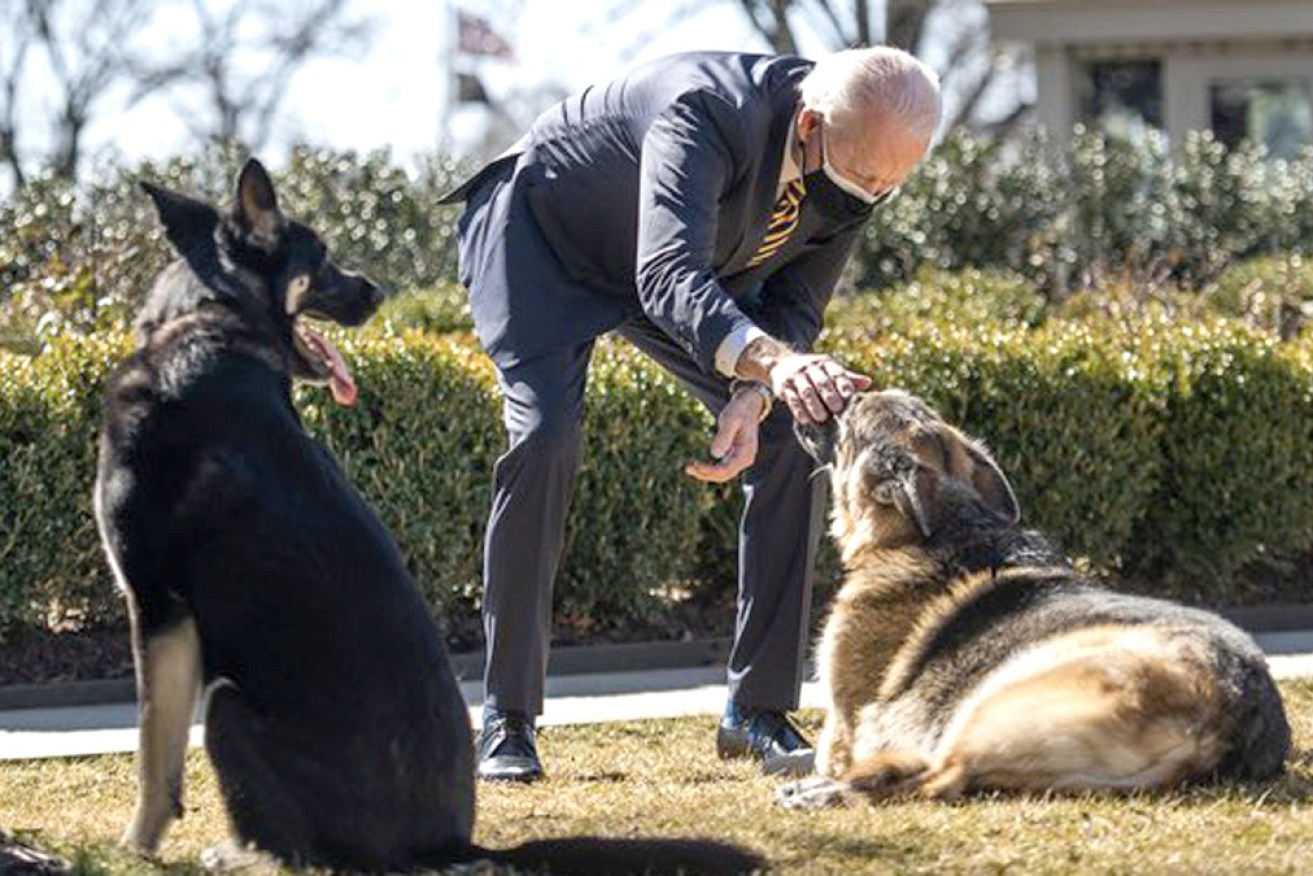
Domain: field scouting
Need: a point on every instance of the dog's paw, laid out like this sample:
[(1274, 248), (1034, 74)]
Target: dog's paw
[(814, 793), (796, 763), (230, 856), (140, 842)]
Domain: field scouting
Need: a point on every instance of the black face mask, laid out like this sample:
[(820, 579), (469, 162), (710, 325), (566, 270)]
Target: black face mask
[(834, 203)]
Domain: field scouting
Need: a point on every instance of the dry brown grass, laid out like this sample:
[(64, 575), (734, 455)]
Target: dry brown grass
[(662, 778)]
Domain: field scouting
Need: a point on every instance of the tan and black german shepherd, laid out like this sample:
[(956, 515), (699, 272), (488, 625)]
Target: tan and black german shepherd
[(963, 653)]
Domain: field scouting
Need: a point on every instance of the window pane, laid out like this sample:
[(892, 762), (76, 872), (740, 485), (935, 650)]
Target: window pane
[(1124, 96), (1276, 113)]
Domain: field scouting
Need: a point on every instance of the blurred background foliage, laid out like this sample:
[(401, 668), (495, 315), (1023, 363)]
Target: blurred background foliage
[(1125, 325), (1103, 213)]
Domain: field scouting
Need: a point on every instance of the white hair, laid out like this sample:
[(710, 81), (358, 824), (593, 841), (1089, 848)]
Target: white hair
[(882, 80)]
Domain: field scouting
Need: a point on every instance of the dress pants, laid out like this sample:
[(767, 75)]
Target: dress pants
[(779, 530)]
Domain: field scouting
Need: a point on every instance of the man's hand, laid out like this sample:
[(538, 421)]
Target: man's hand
[(813, 386), (735, 446)]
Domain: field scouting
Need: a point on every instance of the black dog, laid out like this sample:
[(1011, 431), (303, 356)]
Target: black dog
[(256, 573)]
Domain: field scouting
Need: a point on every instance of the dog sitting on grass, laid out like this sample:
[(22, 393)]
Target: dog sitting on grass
[(258, 577), (963, 653)]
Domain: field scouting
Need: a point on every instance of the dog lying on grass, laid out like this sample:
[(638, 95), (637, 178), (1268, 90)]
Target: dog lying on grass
[(256, 573), (963, 653)]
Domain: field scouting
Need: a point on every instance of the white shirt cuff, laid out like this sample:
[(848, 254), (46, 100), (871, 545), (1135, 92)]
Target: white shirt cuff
[(727, 354)]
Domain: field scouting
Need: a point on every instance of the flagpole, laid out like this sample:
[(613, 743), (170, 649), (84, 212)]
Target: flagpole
[(448, 63)]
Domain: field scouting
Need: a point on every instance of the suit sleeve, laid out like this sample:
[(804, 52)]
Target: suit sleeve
[(687, 165), (794, 298)]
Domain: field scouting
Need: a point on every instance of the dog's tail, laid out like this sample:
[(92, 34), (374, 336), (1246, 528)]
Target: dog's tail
[(580, 856), (1260, 739)]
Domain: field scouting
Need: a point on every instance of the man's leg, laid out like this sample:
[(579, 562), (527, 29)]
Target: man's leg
[(779, 532), (532, 481), (783, 517)]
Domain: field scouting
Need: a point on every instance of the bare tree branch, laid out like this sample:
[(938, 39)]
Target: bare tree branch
[(966, 110), (88, 56), (840, 34), (905, 22), (969, 71), (17, 38), (862, 14), (244, 106), (1004, 127), (770, 18)]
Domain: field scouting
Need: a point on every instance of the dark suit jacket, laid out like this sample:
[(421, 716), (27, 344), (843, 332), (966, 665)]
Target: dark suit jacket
[(649, 194)]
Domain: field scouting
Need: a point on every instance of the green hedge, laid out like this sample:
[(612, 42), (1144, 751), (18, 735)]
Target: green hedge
[(1073, 215), (1236, 481), (1066, 215), (420, 444), (1074, 424), (82, 258), (423, 437), (1176, 456), (52, 572)]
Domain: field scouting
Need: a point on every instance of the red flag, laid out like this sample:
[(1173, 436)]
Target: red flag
[(476, 37)]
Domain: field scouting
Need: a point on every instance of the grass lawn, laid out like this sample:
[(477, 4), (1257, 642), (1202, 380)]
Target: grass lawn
[(662, 777)]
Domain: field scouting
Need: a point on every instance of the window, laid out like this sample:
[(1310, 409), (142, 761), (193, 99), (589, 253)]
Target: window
[(1123, 96), (1278, 113)]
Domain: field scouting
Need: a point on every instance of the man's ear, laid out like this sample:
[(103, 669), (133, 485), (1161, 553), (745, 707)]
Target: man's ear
[(806, 124), (255, 205), (187, 222)]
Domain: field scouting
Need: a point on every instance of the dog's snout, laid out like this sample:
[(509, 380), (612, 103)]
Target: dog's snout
[(818, 439)]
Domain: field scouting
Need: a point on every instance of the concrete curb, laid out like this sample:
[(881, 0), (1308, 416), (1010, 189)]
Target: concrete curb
[(1274, 618), (582, 660), (570, 660)]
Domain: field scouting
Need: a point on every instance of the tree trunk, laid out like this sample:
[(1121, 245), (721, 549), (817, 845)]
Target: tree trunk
[(905, 22), (9, 156)]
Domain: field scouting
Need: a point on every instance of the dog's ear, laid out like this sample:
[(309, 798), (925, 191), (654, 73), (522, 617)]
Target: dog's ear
[(976, 465), (917, 499), (187, 222), (991, 483), (968, 461), (255, 206)]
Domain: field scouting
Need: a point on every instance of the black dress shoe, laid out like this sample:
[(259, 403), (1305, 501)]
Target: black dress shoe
[(764, 735), (506, 750)]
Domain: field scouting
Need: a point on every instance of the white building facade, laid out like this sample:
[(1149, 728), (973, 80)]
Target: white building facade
[(1243, 68)]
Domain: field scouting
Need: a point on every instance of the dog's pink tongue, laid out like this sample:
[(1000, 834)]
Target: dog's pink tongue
[(340, 381)]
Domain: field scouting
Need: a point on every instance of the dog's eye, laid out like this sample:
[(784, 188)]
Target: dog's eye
[(297, 289), (886, 493)]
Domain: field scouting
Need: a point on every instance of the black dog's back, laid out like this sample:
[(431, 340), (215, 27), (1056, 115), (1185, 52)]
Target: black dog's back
[(318, 648)]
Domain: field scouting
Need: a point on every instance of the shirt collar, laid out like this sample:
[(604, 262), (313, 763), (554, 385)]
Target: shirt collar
[(789, 169)]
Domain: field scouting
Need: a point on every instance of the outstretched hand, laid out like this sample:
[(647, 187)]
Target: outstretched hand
[(735, 446)]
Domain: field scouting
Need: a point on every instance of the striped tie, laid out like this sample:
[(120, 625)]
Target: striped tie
[(782, 221)]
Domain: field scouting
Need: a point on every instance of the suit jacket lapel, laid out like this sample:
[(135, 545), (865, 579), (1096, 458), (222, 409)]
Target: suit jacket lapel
[(762, 197)]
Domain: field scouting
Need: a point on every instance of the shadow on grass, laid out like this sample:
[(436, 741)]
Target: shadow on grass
[(807, 846)]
